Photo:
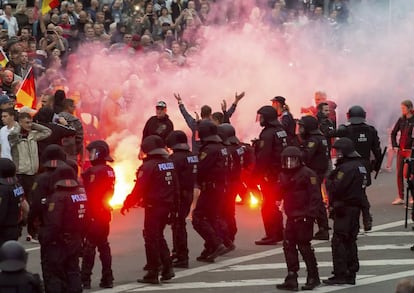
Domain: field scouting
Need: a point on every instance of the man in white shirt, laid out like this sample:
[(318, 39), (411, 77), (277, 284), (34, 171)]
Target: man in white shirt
[(11, 21), (9, 121)]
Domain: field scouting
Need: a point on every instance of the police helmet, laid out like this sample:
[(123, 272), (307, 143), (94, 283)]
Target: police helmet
[(207, 131), (99, 151), (269, 116), (64, 176), (356, 115), (230, 132), (153, 145), (309, 123), (53, 156), (13, 257), (345, 148), (7, 172), (177, 140), (291, 158)]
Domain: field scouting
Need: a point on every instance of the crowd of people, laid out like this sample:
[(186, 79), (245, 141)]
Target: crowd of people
[(42, 151)]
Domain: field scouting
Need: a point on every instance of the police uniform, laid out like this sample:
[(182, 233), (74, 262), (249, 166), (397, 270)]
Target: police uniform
[(13, 274), (211, 177), (234, 186), (316, 156), (11, 198), (272, 140), (366, 140), (156, 189), (61, 235), (52, 157), (301, 200), (99, 182), (346, 185), (185, 163)]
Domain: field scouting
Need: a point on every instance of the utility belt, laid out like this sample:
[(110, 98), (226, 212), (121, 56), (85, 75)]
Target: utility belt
[(303, 220), (211, 185)]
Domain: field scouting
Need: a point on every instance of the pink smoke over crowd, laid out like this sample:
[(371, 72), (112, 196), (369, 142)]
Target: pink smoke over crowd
[(371, 66)]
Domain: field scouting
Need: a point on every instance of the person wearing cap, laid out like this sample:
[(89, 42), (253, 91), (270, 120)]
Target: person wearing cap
[(403, 146), (13, 273), (284, 116), (346, 188), (156, 189), (186, 165), (99, 182), (11, 201), (61, 237), (366, 141), (160, 124), (52, 157), (6, 102)]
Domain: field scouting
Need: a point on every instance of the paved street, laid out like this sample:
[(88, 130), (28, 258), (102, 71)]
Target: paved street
[(384, 254)]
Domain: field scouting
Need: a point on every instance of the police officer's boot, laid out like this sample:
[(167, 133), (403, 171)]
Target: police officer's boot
[(312, 279), (291, 282), (167, 273), (151, 277), (107, 280)]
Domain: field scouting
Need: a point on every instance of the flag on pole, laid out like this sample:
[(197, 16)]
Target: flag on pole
[(26, 95), (3, 59), (47, 5)]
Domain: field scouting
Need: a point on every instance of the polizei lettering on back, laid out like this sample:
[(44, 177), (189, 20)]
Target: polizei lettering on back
[(166, 166), (78, 197)]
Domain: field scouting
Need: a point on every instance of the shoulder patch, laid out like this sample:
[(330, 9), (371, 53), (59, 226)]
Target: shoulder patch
[(240, 151), (51, 207), (92, 178), (362, 170), (261, 144), (34, 186), (313, 180), (202, 156), (311, 144), (340, 175), (192, 159)]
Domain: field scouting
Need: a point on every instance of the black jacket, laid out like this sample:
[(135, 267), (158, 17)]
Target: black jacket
[(315, 152), (346, 184), (185, 163), (161, 127), (156, 183), (59, 131), (405, 127), (99, 183), (301, 192), (11, 197)]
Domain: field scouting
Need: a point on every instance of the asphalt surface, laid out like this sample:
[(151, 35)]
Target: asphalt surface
[(384, 254)]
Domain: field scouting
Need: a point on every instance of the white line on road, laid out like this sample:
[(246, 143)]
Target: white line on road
[(321, 264), (224, 284), (233, 261)]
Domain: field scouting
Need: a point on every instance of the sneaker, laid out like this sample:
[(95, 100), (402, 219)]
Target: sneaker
[(398, 201)]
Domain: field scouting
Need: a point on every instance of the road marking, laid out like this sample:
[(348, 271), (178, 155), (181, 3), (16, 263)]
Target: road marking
[(226, 284), (387, 234), (321, 264), (237, 260)]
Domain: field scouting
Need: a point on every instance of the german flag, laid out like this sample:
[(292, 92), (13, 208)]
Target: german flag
[(26, 95), (48, 5), (3, 59)]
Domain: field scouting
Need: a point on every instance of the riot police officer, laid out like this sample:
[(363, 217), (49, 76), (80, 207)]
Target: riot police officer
[(346, 186), (301, 197), (366, 140), (99, 183), (236, 151), (13, 275), (52, 157), (212, 178), (11, 201), (185, 163), (61, 235), (272, 141), (314, 146), (156, 189)]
